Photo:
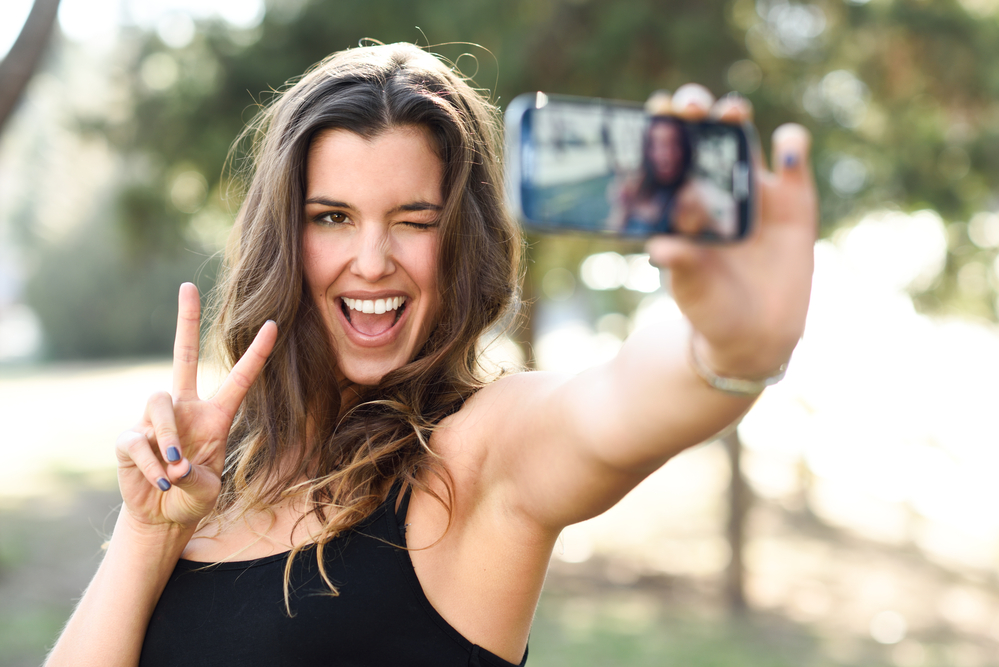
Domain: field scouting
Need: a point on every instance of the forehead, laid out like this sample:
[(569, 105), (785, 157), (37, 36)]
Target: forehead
[(398, 163), (664, 129)]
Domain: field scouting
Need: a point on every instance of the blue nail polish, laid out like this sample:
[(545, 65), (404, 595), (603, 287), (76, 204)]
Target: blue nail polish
[(190, 468), (790, 161), (173, 454), (163, 483)]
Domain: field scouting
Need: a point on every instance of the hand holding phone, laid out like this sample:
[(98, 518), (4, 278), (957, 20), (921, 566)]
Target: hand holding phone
[(746, 302), (578, 164)]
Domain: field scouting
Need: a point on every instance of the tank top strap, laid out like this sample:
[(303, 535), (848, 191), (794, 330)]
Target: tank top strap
[(400, 505), (396, 488)]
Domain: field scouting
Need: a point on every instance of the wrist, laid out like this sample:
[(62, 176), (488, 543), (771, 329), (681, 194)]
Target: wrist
[(734, 372), (159, 538)]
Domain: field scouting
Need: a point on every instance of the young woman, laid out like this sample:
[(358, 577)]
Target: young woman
[(355, 493), (646, 201)]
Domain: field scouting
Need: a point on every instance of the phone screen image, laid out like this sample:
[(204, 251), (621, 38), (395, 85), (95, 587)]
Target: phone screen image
[(608, 167)]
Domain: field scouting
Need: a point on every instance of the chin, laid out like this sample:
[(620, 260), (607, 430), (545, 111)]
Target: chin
[(367, 375)]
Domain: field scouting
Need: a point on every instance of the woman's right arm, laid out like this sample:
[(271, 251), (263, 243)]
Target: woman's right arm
[(169, 473)]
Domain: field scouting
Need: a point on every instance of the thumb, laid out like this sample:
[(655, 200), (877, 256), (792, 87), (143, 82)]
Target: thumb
[(790, 197), (791, 145), (674, 252), (183, 473)]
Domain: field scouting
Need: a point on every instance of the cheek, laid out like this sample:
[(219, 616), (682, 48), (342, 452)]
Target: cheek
[(317, 265), (309, 256), (313, 282), (431, 273), (425, 272)]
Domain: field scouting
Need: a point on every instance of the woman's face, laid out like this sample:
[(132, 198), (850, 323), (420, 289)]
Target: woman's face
[(372, 208), (665, 151)]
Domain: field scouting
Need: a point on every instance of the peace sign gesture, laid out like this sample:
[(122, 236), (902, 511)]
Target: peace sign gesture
[(170, 463)]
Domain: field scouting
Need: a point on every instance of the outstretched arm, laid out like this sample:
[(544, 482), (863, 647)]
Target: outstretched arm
[(575, 445), (169, 469)]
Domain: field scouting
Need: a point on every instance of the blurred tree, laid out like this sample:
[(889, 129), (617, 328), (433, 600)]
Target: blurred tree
[(899, 94), (191, 102), (98, 299), (902, 98), (25, 55)]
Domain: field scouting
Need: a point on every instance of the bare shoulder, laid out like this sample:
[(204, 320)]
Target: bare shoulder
[(497, 411), (482, 442)]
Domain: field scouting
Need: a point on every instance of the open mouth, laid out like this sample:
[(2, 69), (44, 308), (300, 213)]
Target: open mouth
[(373, 316)]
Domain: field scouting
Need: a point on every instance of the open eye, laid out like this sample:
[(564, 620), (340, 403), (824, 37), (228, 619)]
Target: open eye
[(332, 218)]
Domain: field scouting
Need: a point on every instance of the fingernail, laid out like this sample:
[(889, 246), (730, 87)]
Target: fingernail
[(190, 467), (163, 483), (173, 454), (790, 161), (692, 95)]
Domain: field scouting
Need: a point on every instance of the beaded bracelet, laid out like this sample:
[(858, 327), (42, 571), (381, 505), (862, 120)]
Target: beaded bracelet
[(734, 386)]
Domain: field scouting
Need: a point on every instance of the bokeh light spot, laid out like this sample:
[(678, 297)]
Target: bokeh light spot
[(642, 276), (888, 627), (898, 250), (159, 71), (558, 284), (175, 29), (983, 230), (745, 76), (604, 271), (188, 191), (848, 176)]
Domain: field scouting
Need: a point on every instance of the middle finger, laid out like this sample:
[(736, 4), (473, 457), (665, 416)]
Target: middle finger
[(692, 101), (159, 415)]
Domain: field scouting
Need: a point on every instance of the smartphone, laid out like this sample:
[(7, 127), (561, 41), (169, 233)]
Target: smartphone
[(607, 167)]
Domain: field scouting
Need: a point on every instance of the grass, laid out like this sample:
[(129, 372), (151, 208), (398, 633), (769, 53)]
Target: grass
[(642, 629), (49, 550)]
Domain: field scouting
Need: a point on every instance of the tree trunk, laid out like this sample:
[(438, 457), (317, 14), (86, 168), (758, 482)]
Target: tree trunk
[(23, 58), (740, 498)]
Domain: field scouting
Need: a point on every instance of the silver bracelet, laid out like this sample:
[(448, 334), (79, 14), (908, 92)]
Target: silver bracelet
[(734, 386)]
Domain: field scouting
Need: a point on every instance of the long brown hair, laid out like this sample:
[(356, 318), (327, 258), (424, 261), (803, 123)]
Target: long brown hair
[(291, 426)]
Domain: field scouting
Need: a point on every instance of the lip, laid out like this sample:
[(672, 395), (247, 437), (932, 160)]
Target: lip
[(360, 339)]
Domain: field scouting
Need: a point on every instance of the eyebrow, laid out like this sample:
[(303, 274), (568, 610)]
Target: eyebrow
[(411, 207)]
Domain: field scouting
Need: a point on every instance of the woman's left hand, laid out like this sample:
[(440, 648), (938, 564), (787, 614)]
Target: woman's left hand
[(747, 301)]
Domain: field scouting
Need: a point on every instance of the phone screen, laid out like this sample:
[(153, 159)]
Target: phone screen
[(591, 165)]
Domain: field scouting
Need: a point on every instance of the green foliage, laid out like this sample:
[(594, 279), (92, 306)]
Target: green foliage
[(927, 72), (906, 89), (642, 630), (590, 48), (96, 300)]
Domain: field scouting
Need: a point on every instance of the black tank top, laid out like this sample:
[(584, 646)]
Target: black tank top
[(234, 613)]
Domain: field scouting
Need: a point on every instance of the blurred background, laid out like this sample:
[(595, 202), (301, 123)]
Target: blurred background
[(853, 517)]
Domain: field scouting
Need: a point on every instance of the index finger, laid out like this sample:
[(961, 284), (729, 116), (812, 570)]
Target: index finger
[(246, 370), (186, 343)]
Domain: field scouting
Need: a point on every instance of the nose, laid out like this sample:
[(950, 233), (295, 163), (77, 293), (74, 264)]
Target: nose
[(373, 256)]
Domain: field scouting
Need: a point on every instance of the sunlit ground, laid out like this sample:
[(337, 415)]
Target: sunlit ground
[(67, 418), (873, 538), (873, 463), (641, 585)]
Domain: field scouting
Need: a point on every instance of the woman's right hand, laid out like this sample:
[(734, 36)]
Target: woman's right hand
[(170, 463)]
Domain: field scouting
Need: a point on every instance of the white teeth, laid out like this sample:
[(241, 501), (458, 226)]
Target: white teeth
[(376, 306)]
